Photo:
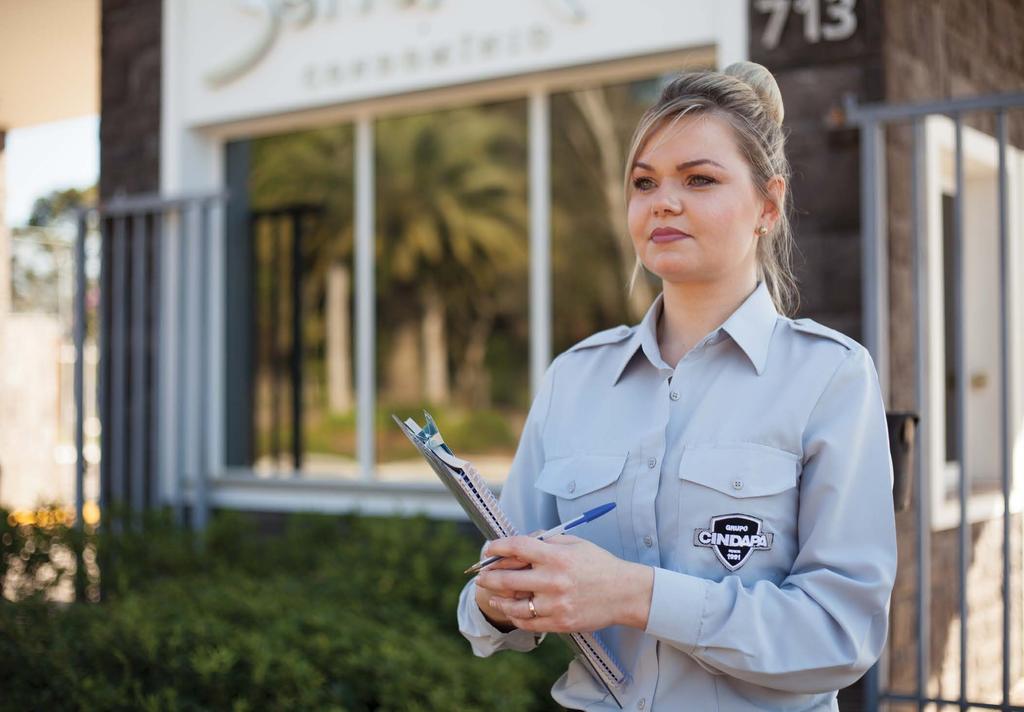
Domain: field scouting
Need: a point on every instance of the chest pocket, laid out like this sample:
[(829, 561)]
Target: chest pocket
[(750, 486), (740, 471), (580, 483)]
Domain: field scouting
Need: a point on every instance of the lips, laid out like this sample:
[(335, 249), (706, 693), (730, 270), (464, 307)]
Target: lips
[(667, 234)]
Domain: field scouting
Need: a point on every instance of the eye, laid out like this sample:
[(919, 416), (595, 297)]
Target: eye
[(705, 180), (639, 183)]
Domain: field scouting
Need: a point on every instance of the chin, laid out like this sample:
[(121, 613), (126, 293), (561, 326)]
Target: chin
[(672, 268)]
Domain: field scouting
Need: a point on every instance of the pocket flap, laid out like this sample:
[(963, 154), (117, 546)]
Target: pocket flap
[(740, 471), (577, 475)]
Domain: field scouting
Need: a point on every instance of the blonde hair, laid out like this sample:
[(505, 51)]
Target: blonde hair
[(746, 95)]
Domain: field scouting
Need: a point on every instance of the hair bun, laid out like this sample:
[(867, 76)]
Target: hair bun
[(758, 78)]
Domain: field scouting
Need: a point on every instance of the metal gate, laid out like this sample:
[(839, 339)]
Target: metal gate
[(141, 237), (996, 118)]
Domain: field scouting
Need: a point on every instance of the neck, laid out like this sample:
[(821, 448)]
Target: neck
[(692, 310)]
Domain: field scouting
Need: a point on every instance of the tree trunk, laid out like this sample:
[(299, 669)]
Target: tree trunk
[(435, 348), (339, 342), (595, 111), (474, 381), (404, 384)]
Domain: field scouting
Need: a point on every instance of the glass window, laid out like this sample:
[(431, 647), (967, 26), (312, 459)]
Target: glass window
[(452, 273), (291, 362)]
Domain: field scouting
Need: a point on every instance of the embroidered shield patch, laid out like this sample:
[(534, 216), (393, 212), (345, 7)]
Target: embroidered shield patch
[(734, 537)]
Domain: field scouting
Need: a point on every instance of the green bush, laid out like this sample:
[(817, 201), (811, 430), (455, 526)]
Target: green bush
[(333, 613)]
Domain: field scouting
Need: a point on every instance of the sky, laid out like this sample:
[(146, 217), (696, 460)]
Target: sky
[(48, 157)]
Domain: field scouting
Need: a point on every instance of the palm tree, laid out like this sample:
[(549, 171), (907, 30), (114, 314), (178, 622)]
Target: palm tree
[(452, 246)]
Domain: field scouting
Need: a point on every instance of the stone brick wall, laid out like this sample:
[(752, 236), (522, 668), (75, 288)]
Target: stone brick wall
[(130, 97), (813, 78), (936, 50), (984, 613)]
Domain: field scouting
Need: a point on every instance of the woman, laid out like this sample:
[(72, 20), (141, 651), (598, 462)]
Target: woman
[(750, 558)]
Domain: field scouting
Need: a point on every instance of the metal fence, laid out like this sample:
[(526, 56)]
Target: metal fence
[(874, 122), (138, 235)]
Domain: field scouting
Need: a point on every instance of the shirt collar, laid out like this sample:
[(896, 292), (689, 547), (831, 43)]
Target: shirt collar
[(750, 326)]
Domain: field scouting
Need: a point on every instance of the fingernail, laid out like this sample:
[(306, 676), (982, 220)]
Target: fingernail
[(493, 603)]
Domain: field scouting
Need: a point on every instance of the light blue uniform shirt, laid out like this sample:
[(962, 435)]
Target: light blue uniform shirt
[(754, 476)]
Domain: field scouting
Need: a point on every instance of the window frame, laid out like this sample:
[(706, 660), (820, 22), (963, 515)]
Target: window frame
[(980, 154)]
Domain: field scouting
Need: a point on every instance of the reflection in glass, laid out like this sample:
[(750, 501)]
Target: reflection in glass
[(452, 283), (300, 221), (592, 255)]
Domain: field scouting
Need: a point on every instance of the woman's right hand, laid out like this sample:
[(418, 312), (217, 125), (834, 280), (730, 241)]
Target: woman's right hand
[(484, 595)]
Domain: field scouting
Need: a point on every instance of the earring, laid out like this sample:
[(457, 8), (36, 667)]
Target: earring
[(762, 230)]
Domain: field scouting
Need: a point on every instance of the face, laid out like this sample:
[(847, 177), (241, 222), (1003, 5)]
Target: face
[(692, 179)]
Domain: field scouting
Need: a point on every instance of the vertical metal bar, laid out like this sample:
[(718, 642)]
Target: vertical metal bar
[(874, 288), (217, 331), (540, 235), (365, 295), (184, 373), (104, 363), (874, 250), (297, 350), (118, 304), (155, 357), (1007, 389), (253, 316), (960, 358), (199, 502), (922, 468), (79, 332), (273, 313), (871, 688), (137, 434)]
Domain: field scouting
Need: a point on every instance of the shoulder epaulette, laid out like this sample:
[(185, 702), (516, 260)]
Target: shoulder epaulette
[(608, 336), (809, 326)]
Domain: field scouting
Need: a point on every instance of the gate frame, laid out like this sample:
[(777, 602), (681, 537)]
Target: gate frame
[(871, 120)]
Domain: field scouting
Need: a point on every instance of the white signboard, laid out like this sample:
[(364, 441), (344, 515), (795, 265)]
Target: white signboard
[(247, 58)]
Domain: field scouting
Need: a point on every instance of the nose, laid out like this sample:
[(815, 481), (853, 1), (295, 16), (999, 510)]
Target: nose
[(667, 203)]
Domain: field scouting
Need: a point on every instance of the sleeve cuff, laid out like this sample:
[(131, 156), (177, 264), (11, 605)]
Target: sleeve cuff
[(677, 608), (484, 638)]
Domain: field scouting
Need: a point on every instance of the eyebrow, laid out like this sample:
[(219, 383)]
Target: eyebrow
[(681, 166)]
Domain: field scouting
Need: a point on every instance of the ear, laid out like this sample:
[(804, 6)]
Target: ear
[(769, 213)]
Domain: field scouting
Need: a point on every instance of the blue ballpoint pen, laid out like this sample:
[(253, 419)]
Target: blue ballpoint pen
[(560, 529)]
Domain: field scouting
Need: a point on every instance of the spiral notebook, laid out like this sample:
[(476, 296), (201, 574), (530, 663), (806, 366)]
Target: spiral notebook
[(482, 507)]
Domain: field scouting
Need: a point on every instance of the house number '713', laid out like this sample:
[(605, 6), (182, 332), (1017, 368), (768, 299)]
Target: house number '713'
[(839, 22)]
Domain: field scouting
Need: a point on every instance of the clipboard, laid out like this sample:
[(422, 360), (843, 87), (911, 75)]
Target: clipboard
[(478, 501)]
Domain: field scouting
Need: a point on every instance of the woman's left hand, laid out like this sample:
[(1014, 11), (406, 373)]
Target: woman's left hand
[(577, 586)]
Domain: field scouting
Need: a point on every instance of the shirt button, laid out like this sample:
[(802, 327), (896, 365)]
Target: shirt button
[(641, 704), (652, 461), (572, 487), (737, 484), (674, 395), (648, 541)]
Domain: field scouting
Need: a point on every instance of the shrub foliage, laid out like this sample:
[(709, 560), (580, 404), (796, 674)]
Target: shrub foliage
[(332, 613)]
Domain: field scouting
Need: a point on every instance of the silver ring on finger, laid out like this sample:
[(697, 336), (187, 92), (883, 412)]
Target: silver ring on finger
[(533, 609)]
